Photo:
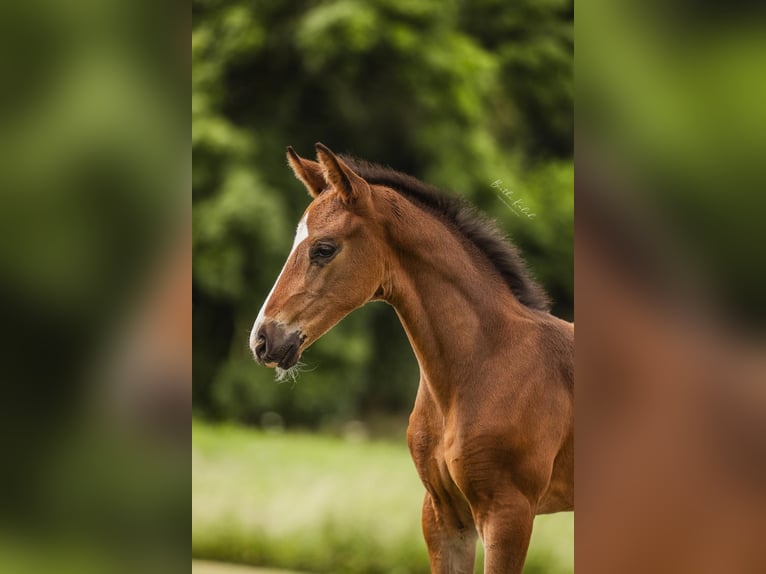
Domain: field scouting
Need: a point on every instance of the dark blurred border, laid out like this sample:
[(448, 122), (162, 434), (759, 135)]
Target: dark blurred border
[(670, 363), (95, 294)]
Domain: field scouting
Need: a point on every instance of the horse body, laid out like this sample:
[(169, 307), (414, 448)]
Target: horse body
[(491, 432)]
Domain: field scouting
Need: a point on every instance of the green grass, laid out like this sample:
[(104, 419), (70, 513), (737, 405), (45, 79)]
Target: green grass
[(322, 504), (205, 567)]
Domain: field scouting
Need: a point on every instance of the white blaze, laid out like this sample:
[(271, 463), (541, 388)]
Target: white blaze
[(301, 233)]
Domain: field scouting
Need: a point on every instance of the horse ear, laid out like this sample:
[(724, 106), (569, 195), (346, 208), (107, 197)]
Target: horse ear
[(309, 172), (351, 186)]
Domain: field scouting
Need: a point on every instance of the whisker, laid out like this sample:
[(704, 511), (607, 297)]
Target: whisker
[(290, 374)]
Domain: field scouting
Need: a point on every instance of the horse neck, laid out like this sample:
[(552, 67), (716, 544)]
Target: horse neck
[(455, 308)]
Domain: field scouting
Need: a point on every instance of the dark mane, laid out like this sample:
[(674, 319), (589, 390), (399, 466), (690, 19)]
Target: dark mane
[(466, 220)]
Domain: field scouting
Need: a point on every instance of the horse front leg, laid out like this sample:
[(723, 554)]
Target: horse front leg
[(451, 540), (505, 530)]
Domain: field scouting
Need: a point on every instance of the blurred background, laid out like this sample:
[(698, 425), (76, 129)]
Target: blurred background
[(95, 252), (671, 354), (474, 97)]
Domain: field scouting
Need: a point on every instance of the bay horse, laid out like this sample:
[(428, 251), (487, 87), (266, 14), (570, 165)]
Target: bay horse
[(491, 432)]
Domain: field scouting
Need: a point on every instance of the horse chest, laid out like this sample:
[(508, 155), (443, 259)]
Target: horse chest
[(435, 460)]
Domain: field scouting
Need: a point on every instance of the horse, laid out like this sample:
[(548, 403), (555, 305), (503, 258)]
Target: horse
[(492, 429)]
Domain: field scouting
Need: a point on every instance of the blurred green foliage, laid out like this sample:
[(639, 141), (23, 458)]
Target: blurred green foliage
[(457, 93), (674, 112), (93, 192)]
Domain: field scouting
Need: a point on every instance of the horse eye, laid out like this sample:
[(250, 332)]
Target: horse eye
[(323, 251)]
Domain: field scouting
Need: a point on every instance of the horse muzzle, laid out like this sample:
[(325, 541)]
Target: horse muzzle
[(277, 346)]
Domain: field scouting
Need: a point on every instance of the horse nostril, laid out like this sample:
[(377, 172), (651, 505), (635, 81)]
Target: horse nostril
[(261, 346)]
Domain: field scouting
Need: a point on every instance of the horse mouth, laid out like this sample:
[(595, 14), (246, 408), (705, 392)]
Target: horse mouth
[(290, 358), (285, 358)]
